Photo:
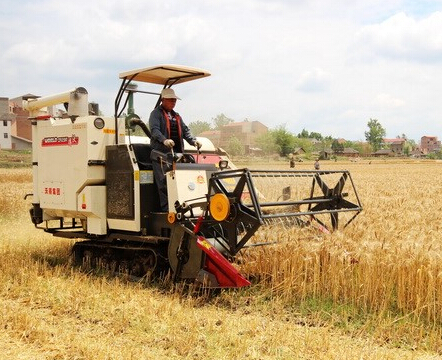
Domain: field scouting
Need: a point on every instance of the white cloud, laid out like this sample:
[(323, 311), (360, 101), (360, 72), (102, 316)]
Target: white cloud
[(387, 100), (314, 80), (403, 37)]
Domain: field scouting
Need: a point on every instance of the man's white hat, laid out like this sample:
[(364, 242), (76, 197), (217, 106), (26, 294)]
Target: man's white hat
[(169, 94)]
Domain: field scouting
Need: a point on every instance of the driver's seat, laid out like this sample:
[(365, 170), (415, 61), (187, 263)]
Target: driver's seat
[(142, 154)]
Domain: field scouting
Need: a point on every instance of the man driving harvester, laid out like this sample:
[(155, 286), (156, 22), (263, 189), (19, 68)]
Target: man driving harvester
[(168, 133)]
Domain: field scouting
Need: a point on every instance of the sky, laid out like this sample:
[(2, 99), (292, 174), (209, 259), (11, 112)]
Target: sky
[(325, 66)]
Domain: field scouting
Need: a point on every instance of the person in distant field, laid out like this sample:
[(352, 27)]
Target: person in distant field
[(317, 164), (168, 132), (292, 162)]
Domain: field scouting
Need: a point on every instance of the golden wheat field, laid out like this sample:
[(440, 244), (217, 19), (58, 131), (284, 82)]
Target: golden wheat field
[(370, 291)]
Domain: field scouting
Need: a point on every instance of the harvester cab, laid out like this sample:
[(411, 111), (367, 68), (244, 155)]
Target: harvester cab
[(93, 181)]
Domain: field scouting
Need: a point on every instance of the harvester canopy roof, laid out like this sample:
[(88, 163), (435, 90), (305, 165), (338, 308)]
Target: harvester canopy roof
[(165, 74)]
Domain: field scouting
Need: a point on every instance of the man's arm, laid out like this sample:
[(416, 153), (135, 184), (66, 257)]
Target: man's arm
[(155, 121)]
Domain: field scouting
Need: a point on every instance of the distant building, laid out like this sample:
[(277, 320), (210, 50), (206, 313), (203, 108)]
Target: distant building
[(417, 152), (350, 152), (396, 145), (326, 154), (5, 133), (213, 135), (246, 132), (429, 144), (21, 126), (5, 124), (19, 143), (298, 151), (383, 153)]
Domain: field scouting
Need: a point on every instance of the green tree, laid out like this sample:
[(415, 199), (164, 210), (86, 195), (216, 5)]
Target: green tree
[(235, 147), (267, 143), (375, 134), (435, 155), (337, 147), (197, 127), (409, 144), (408, 148), (315, 135), (363, 147), (304, 143), (221, 120), (326, 142), (412, 143), (284, 140), (303, 134)]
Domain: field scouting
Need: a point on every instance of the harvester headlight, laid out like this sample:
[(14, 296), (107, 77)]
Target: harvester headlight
[(99, 123), (223, 164), (219, 207)]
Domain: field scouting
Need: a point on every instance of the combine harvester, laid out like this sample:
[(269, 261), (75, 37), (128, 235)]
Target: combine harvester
[(93, 181)]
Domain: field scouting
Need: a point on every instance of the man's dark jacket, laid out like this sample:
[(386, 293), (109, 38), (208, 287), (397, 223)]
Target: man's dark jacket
[(158, 129)]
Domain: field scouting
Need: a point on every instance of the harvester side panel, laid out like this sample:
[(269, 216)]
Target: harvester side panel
[(62, 152), (70, 156)]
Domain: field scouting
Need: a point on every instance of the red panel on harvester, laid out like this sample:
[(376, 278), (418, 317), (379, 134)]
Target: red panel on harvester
[(218, 265)]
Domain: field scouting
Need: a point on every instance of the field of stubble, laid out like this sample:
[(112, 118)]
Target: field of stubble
[(370, 291)]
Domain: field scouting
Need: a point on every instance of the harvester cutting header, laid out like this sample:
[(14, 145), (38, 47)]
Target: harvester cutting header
[(94, 181)]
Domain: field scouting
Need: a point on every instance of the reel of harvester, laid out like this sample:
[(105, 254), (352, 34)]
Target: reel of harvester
[(239, 202)]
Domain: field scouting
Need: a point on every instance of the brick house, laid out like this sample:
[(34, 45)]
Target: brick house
[(213, 135), (246, 132), (429, 144), (395, 145), (21, 126)]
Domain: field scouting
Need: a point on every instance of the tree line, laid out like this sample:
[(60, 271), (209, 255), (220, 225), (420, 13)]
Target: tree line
[(283, 142)]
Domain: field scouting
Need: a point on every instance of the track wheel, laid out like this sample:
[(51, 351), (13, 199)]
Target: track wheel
[(145, 264)]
